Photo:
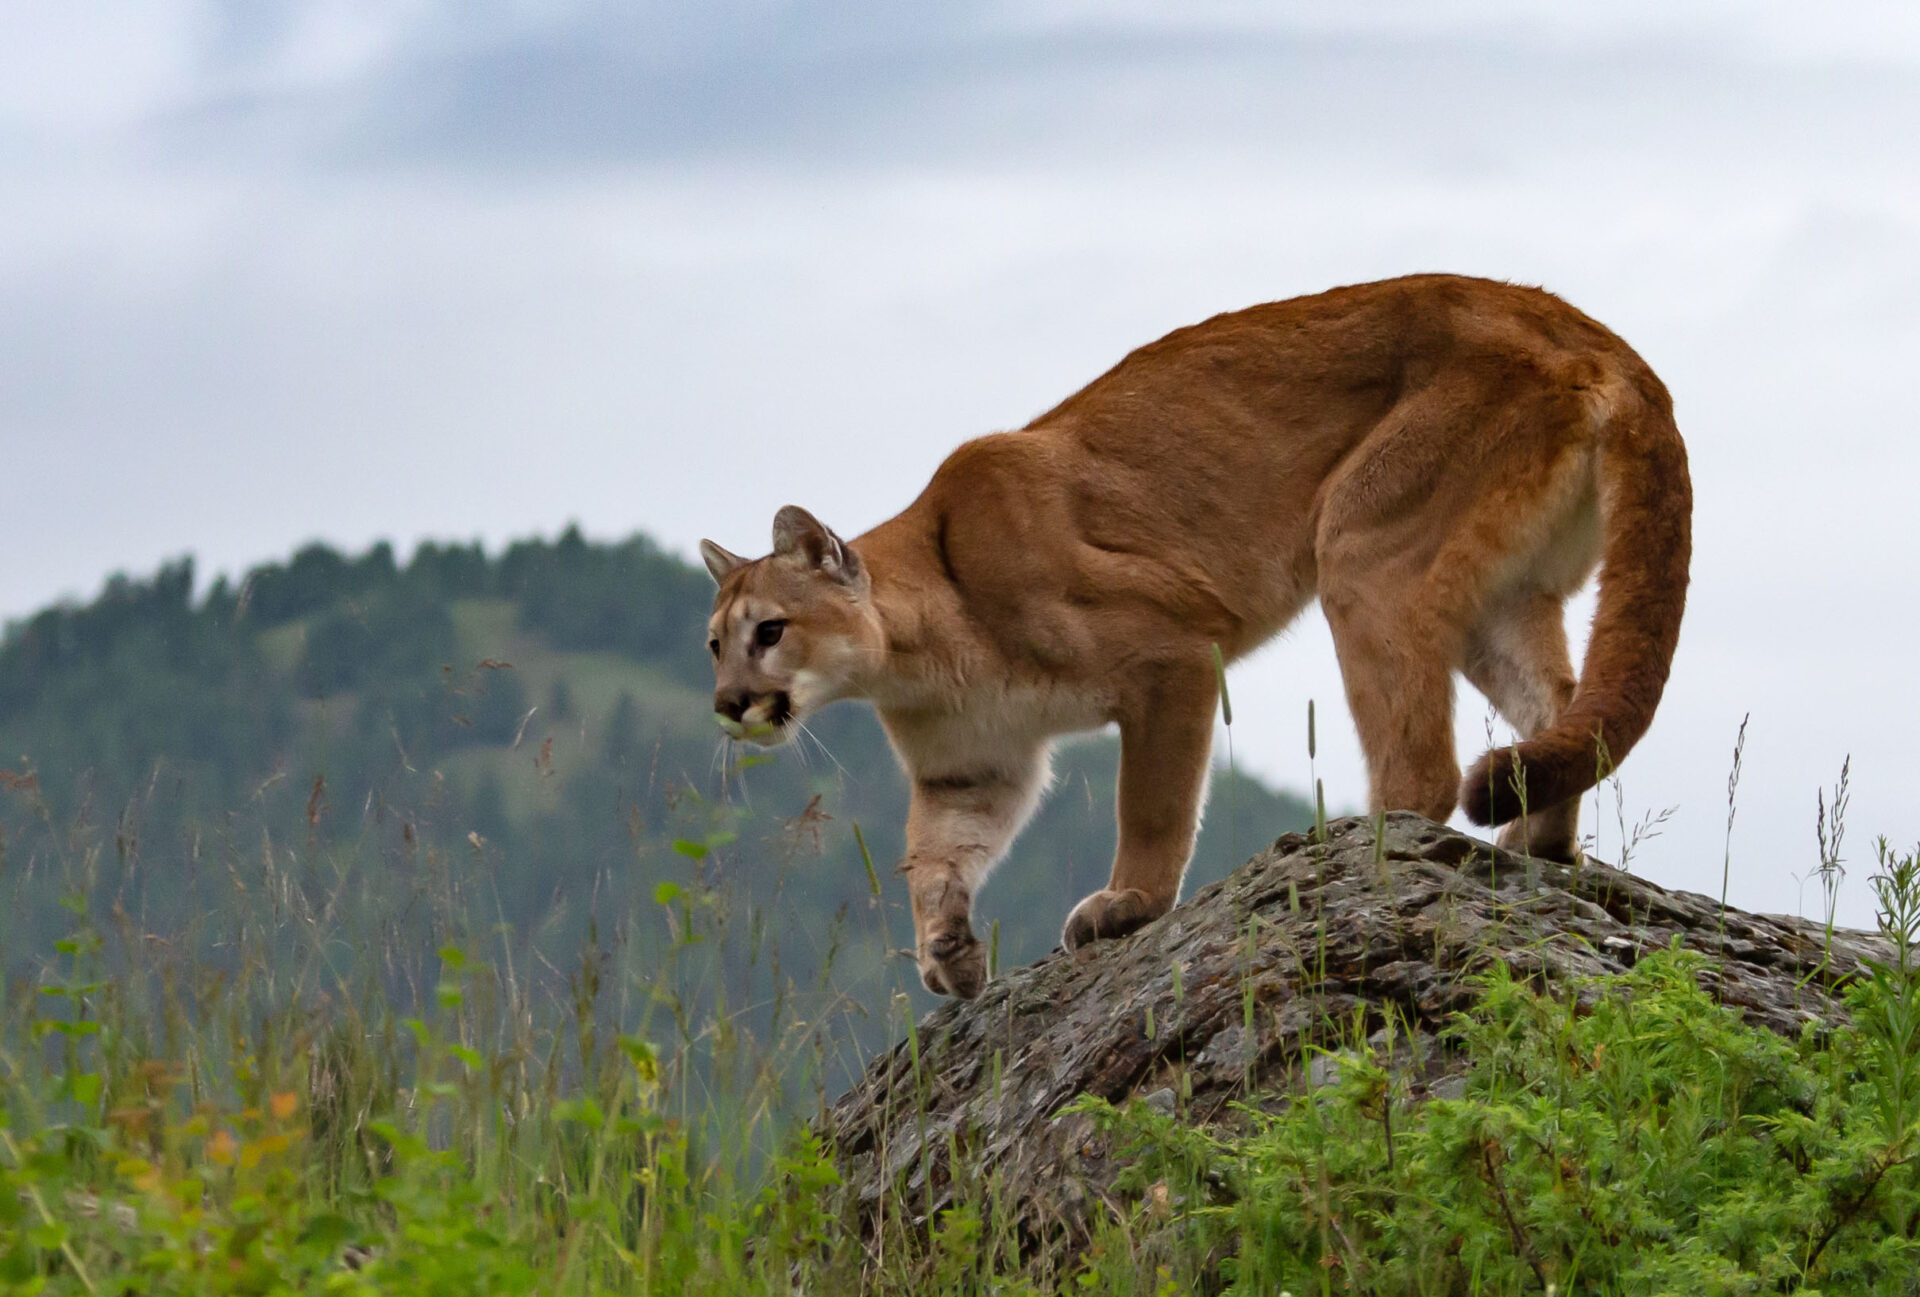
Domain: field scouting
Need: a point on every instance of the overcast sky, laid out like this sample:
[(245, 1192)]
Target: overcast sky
[(278, 271)]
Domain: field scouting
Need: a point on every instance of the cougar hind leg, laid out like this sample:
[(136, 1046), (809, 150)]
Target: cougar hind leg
[(1399, 684), (1517, 656), (1462, 486)]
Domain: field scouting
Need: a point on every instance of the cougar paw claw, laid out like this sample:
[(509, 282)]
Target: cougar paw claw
[(953, 962), (1108, 914)]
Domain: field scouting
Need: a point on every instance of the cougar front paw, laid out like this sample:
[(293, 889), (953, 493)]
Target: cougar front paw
[(1107, 914), (953, 962)]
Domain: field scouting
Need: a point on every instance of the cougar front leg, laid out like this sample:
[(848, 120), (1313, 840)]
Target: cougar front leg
[(958, 827), (1166, 737)]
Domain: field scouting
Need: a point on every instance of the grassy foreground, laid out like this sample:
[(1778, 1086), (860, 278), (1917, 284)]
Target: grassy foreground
[(296, 1106)]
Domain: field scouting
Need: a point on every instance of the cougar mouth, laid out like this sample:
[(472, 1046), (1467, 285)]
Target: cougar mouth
[(764, 721)]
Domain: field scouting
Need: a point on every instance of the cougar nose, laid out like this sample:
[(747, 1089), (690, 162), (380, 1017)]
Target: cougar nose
[(732, 705)]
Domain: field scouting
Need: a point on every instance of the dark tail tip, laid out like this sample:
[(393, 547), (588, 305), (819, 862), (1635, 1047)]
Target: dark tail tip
[(1487, 794)]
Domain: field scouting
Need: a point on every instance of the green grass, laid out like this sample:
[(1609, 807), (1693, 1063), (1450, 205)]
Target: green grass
[(1650, 1144), (349, 1080)]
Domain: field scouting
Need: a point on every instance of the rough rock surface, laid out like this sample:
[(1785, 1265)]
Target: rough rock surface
[(1222, 997)]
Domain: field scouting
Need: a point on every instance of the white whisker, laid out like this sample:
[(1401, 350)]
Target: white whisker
[(798, 747), (805, 733)]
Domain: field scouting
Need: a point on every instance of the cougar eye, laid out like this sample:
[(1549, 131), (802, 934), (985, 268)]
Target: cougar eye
[(713, 647), (768, 633)]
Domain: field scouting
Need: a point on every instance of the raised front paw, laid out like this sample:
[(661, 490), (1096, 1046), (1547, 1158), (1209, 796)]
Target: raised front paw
[(953, 962), (1108, 914)]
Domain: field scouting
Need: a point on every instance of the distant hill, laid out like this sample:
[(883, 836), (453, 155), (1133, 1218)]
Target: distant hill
[(514, 742)]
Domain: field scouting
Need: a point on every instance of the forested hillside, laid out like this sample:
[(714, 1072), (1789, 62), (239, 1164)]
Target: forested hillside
[(508, 746)]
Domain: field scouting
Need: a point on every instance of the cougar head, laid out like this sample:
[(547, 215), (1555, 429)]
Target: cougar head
[(790, 632)]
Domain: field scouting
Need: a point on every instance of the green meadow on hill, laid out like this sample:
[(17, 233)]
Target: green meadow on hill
[(532, 729)]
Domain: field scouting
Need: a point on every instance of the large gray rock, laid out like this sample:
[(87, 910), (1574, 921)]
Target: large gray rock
[(1303, 946)]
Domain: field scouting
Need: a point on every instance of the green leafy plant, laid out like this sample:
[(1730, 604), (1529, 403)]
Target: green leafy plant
[(1653, 1143)]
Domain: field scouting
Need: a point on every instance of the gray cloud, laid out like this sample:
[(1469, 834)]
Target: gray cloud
[(276, 271), (875, 84)]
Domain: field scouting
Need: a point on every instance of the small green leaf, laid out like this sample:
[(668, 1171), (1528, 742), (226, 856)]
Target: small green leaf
[(584, 1112), (691, 849), (327, 1231), (866, 858), (666, 893)]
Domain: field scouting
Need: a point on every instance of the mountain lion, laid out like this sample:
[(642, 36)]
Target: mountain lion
[(1441, 461)]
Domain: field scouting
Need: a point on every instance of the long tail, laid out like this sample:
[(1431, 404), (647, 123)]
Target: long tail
[(1646, 504)]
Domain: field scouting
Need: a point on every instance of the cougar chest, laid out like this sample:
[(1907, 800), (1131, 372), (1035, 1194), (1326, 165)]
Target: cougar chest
[(984, 729)]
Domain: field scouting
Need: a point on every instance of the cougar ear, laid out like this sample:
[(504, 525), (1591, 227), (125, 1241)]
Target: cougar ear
[(798, 533), (719, 561)]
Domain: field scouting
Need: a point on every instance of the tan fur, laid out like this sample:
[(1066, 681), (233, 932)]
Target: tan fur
[(1441, 460)]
